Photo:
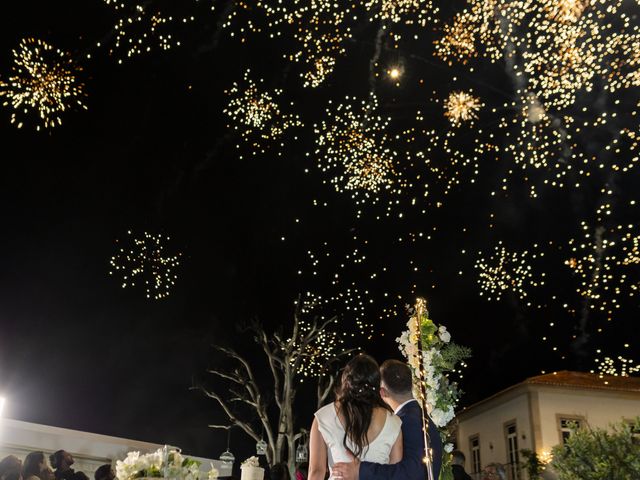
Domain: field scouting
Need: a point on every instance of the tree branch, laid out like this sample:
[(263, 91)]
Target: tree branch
[(245, 426), (225, 376)]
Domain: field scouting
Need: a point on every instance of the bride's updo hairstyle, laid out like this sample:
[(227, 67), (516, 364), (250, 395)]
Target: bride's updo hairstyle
[(357, 395)]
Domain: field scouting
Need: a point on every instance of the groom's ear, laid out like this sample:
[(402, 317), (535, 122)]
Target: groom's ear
[(383, 392)]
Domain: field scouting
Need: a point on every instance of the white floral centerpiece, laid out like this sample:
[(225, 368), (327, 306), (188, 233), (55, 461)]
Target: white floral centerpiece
[(250, 462), (440, 356), (251, 470), (163, 463)]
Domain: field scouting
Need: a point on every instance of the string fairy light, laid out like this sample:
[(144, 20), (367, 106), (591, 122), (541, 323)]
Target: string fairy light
[(43, 85), (420, 311), (142, 262)]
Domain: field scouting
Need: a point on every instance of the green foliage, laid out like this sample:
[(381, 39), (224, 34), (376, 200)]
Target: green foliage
[(151, 472), (453, 354), (428, 330), (532, 464), (446, 472), (190, 462), (599, 454)]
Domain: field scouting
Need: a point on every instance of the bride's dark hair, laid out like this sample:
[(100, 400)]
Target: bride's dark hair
[(357, 395)]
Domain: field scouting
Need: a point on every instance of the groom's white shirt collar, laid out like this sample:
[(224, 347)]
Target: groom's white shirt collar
[(401, 406)]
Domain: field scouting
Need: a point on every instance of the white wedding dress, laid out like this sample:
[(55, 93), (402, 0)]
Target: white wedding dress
[(332, 432)]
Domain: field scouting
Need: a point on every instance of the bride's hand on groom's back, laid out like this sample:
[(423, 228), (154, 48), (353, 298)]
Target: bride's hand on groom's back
[(346, 471)]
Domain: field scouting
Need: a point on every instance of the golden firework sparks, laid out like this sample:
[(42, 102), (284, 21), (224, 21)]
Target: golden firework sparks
[(142, 262), (505, 271), (461, 107), (620, 366), (410, 11), (566, 10), (320, 32), (458, 41), (43, 84), (140, 28), (601, 262), (356, 146), (256, 114)]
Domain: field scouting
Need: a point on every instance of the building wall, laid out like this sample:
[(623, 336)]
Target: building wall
[(537, 409), (490, 425), (598, 408)]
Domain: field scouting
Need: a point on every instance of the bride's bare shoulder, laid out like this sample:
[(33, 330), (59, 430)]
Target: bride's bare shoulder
[(380, 413)]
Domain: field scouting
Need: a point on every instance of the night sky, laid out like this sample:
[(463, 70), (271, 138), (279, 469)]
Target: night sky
[(154, 153)]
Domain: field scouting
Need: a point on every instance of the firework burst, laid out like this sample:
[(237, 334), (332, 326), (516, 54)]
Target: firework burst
[(409, 11), (43, 84), (461, 107), (604, 262), (568, 11), (320, 32), (356, 146), (143, 263), (140, 28), (256, 114), (506, 271)]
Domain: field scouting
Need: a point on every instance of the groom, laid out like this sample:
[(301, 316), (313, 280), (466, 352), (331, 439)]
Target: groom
[(396, 391)]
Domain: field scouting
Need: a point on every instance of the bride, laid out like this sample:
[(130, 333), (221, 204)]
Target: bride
[(358, 424)]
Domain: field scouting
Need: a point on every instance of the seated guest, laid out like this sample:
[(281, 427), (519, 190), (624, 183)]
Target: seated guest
[(105, 472), (62, 461), (280, 471), (10, 468), (35, 467)]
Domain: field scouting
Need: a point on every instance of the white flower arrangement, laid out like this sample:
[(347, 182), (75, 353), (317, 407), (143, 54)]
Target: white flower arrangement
[(439, 358), (160, 464), (213, 473), (251, 462)]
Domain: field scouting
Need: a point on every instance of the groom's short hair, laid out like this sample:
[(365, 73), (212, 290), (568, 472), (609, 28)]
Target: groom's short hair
[(396, 376)]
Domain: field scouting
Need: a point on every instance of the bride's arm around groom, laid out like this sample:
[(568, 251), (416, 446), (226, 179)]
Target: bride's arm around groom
[(358, 424), (318, 450), (396, 391)]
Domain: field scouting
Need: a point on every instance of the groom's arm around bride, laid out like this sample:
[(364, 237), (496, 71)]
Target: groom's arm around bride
[(396, 391)]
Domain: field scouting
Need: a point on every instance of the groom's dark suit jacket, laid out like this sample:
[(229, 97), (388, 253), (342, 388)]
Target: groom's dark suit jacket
[(412, 466)]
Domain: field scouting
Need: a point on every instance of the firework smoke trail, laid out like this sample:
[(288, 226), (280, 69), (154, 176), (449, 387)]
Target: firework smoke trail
[(372, 69), (376, 57), (583, 336), (520, 81), (224, 17)]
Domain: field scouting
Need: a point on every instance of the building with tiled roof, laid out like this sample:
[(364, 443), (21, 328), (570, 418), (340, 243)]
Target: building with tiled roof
[(537, 414)]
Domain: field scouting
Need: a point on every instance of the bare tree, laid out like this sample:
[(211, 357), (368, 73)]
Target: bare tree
[(309, 349)]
